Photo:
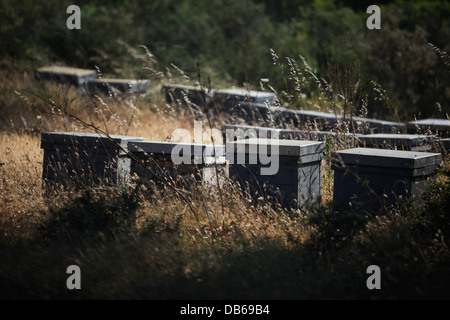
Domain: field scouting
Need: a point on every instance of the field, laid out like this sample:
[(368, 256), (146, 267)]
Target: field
[(206, 244), (195, 242)]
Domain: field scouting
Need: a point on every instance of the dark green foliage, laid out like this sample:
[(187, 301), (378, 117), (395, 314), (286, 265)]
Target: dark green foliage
[(336, 229), (434, 219), (93, 214), (172, 255), (232, 41), (402, 61)]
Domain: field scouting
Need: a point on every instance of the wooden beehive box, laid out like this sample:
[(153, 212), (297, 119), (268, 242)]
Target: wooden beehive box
[(186, 96), (85, 158), (74, 76), (374, 126), (443, 146), (297, 180), (440, 127), (123, 86), (306, 119), (239, 132), (251, 113), (233, 132), (367, 178), (315, 119), (153, 161), (225, 100), (406, 142)]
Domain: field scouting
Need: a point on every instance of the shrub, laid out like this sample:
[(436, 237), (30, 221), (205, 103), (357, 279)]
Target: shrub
[(93, 213)]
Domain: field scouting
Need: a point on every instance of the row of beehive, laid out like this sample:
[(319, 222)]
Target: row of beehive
[(262, 108), (405, 142), (359, 173), (88, 80), (240, 105)]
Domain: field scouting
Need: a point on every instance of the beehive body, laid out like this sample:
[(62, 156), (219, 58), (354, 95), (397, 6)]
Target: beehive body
[(85, 158), (228, 98), (439, 126), (405, 142), (74, 76), (186, 96), (367, 179), (106, 86), (297, 180), (156, 162), (239, 132)]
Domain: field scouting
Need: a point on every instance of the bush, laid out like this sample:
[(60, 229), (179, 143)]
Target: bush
[(94, 213)]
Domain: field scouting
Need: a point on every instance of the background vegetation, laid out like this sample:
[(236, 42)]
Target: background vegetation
[(153, 244), (232, 42)]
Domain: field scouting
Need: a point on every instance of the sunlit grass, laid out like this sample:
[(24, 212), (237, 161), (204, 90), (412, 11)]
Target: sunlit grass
[(210, 244)]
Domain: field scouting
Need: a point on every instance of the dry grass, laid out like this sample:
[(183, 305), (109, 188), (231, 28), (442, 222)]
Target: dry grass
[(21, 201), (21, 170), (155, 244)]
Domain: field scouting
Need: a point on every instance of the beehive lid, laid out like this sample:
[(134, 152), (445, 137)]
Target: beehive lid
[(233, 130), (396, 139), (240, 94), (204, 153), (66, 70), (180, 86), (50, 139), (379, 122), (255, 132), (440, 124), (119, 81), (317, 114), (294, 148), (245, 92), (387, 158)]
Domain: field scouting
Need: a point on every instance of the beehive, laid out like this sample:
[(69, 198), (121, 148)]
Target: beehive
[(183, 95), (374, 126), (239, 132), (406, 142), (367, 179), (283, 171), (436, 126), (74, 76), (251, 113), (154, 161), (87, 158), (226, 99), (110, 86)]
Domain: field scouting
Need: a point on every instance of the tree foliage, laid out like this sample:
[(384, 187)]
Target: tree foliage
[(232, 41)]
